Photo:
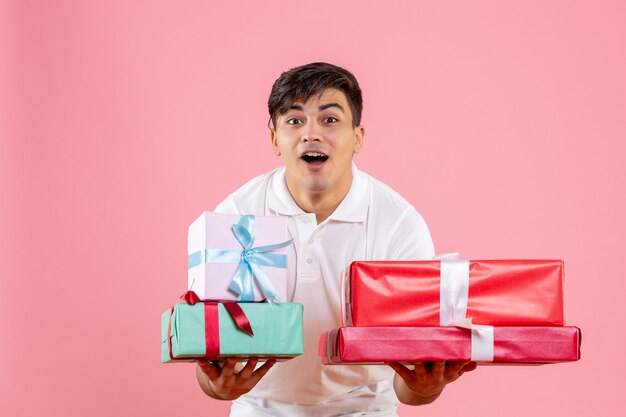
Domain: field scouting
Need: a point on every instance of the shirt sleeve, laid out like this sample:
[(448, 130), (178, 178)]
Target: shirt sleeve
[(411, 239), (228, 206)]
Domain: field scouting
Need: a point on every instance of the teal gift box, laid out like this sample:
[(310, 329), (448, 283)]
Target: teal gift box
[(207, 330)]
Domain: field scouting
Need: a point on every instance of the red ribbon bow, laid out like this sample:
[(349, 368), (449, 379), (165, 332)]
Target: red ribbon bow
[(234, 309), (211, 317)]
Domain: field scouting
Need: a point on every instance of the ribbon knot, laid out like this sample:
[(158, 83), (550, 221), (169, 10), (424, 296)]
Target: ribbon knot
[(252, 259)]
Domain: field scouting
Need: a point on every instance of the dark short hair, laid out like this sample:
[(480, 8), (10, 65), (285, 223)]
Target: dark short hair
[(300, 83)]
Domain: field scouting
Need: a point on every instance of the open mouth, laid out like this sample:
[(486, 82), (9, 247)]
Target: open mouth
[(314, 158)]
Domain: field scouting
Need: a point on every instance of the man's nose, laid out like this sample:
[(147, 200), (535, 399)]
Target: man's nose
[(311, 132)]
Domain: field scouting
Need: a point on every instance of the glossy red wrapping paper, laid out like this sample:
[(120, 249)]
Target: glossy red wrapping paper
[(516, 344), (501, 293)]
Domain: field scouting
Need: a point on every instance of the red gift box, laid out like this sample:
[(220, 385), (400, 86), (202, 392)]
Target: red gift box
[(516, 344), (414, 293)]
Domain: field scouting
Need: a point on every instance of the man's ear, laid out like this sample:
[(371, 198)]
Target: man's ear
[(274, 143), (359, 133)]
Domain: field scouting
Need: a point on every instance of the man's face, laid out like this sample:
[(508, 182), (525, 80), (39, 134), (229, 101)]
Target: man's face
[(317, 140)]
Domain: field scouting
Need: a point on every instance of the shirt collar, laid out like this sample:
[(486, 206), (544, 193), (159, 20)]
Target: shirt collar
[(353, 208)]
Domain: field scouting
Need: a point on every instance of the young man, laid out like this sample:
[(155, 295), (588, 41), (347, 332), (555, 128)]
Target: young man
[(337, 214)]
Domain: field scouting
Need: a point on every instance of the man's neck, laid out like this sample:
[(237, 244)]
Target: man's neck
[(322, 203)]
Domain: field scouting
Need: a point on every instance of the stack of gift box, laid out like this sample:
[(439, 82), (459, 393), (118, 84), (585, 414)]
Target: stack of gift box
[(492, 311), (237, 284)]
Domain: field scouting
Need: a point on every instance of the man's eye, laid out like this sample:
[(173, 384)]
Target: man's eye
[(293, 121), (330, 119)]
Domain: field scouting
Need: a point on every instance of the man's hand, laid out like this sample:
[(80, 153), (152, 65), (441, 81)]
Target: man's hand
[(227, 383), (423, 384)]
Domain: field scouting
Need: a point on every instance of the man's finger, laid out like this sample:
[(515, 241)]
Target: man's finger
[(260, 373), (247, 370), (212, 371), (455, 366), (405, 373), (455, 369), (420, 369), (438, 368), (470, 367), (229, 367)]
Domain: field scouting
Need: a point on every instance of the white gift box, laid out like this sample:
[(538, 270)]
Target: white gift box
[(239, 258)]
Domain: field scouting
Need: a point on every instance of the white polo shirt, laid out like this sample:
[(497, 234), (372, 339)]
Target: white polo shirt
[(373, 222)]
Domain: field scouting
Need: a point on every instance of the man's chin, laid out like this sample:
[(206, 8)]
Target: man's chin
[(318, 187)]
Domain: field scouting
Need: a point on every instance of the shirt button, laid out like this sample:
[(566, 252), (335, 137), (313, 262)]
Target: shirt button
[(310, 241), (309, 261), (305, 220)]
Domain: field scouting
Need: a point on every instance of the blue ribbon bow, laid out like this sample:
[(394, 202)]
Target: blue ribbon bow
[(249, 260)]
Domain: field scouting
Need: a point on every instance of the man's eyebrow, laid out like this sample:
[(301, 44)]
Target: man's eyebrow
[(321, 108), (329, 105)]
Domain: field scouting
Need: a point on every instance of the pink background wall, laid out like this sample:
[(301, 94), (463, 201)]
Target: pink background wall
[(120, 121)]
